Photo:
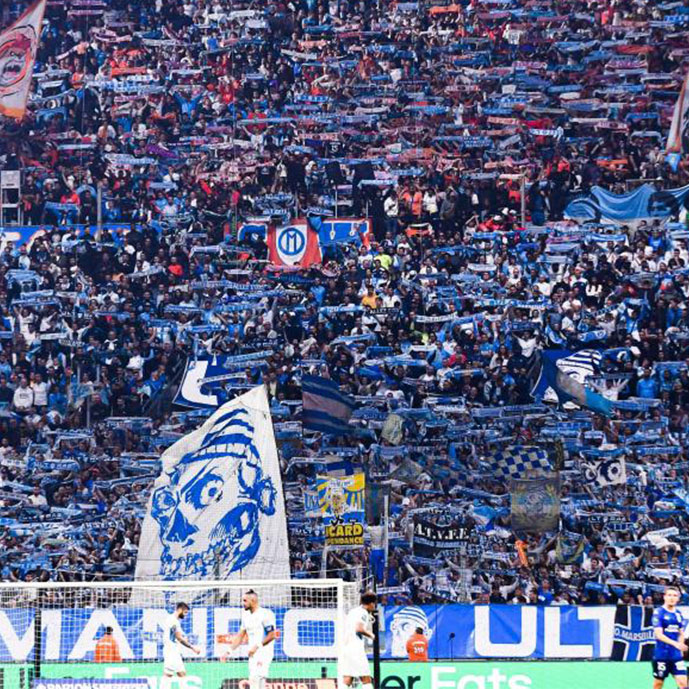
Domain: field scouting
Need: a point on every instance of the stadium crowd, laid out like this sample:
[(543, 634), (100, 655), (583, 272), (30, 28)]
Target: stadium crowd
[(441, 124)]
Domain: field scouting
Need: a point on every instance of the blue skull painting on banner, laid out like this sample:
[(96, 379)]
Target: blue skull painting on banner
[(216, 510)]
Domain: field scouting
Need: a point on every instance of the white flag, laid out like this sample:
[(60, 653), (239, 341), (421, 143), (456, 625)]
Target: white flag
[(18, 47), (217, 509), (677, 135)]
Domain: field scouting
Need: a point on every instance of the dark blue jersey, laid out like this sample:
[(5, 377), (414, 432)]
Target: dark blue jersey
[(672, 624)]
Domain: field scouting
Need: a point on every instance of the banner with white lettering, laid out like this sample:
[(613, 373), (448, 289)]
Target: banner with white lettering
[(431, 537), (453, 630), (634, 636)]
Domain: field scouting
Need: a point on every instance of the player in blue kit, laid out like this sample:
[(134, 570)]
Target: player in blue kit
[(668, 628)]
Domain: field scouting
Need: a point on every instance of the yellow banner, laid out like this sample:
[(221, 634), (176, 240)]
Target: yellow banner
[(341, 500)]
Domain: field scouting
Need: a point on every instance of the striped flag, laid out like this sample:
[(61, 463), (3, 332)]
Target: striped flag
[(334, 465), (580, 364), (325, 408)]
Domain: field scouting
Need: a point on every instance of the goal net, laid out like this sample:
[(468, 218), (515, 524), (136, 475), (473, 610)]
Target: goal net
[(113, 635)]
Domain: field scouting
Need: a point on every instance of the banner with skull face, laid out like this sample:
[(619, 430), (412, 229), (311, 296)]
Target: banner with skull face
[(18, 46), (217, 508)]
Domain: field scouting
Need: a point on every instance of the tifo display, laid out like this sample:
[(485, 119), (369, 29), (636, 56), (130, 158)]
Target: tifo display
[(344, 344)]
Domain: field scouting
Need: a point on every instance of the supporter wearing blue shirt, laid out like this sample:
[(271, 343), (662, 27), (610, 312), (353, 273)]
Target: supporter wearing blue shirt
[(318, 292), (656, 241), (647, 385), (545, 595), (668, 627), (673, 315)]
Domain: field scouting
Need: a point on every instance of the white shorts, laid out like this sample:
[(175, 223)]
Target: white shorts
[(172, 662), (355, 662), (259, 665)]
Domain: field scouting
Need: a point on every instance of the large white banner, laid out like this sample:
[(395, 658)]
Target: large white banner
[(217, 509), (18, 47)]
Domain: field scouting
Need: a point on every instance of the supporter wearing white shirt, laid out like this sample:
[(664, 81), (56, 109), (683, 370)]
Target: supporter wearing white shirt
[(514, 278), (37, 499), (47, 323), (391, 206), (683, 252), (390, 299), (22, 400), (25, 318), (31, 336), (136, 362), (544, 286), (577, 276), (430, 202), (40, 391), (140, 130), (567, 324), (24, 261)]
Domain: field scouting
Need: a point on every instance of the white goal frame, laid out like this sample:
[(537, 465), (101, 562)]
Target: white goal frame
[(28, 597)]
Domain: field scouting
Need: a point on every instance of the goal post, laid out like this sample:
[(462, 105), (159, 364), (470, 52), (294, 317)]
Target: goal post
[(112, 635)]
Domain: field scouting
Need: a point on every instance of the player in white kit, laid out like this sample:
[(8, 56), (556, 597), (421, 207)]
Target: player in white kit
[(358, 625), (258, 630), (173, 665)]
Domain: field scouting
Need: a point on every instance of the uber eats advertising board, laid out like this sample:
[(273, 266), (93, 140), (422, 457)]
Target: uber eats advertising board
[(312, 675)]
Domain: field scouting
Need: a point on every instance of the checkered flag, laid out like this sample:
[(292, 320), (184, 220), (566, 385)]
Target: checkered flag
[(518, 460)]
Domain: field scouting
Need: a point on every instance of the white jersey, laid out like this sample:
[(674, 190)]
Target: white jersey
[(355, 662), (257, 625), (356, 616), (171, 627), (172, 653)]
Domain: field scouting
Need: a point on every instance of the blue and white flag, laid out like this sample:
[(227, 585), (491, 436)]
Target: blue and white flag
[(216, 511), (336, 465), (205, 376), (518, 460), (600, 471), (565, 373), (325, 408), (312, 506), (644, 202), (633, 638)]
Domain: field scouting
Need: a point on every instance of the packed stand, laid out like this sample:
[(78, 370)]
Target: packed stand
[(177, 125)]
